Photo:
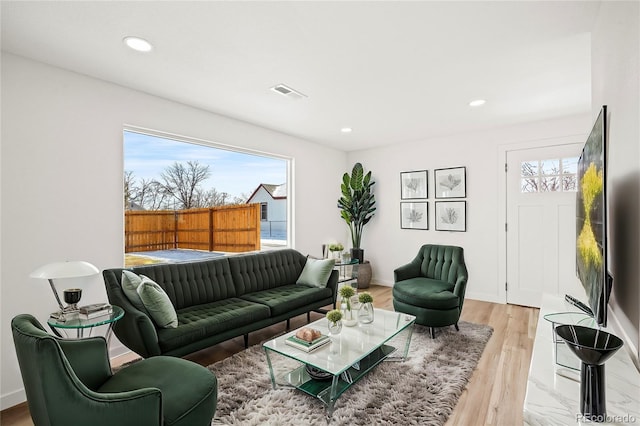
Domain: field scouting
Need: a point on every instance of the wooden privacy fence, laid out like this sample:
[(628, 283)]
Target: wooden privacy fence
[(228, 228)]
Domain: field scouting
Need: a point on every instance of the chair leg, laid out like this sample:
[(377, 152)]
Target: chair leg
[(432, 332), (457, 328), (308, 317), (288, 323), (246, 340)]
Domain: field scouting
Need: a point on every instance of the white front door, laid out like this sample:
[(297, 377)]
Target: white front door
[(541, 198)]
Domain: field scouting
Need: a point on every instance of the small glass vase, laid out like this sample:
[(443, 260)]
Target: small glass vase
[(348, 315), (365, 313), (335, 328)]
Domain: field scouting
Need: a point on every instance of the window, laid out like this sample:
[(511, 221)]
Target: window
[(176, 187), (263, 212), (551, 175)]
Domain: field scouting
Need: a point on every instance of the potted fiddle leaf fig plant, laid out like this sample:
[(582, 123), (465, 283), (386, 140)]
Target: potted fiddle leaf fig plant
[(357, 205)]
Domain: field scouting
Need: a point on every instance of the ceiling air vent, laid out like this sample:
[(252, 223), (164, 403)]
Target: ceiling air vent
[(288, 92)]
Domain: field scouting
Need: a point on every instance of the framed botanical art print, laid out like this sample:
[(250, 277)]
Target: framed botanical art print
[(451, 183), (414, 215), (414, 185), (451, 216)]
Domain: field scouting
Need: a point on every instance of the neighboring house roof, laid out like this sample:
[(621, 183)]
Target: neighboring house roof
[(277, 192)]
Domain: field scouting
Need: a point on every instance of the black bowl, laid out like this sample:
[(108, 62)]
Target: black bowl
[(72, 295), (591, 345)]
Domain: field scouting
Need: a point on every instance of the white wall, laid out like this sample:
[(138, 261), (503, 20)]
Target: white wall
[(62, 178), (387, 246), (616, 74)]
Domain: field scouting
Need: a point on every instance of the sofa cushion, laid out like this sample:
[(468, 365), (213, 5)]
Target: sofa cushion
[(426, 293), (316, 272), (262, 271), (157, 303), (194, 391), (287, 298), (200, 321), (193, 283), (130, 283)]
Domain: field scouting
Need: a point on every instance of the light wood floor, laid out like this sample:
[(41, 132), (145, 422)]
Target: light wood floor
[(494, 396)]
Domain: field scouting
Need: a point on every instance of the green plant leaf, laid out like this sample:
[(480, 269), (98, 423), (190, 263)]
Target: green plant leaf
[(356, 177)]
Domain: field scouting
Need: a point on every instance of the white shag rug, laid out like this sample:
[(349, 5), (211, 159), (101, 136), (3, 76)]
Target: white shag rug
[(423, 390)]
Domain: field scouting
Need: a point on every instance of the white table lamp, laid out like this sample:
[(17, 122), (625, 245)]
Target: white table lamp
[(59, 270)]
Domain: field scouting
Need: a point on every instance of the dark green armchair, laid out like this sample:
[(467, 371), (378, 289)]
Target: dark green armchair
[(432, 286), (70, 382)]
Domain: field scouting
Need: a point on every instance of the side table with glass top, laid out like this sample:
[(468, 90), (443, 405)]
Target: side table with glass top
[(347, 272), (81, 324)]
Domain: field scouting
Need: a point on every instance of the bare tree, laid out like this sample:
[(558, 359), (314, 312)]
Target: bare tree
[(151, 195), (182, 181), (240, 199), (129, 184), (180, 189), (210, 198)]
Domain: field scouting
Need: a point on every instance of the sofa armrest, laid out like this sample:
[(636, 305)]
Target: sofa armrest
[(460, 286), (404, 272), (89, 359), (333, 284), (135, 329)]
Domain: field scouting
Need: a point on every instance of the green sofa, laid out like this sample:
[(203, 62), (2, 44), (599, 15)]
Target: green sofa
[(431, 287), (217, 300)]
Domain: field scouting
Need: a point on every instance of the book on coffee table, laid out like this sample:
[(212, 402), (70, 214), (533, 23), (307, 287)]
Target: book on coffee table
[(307, 346)]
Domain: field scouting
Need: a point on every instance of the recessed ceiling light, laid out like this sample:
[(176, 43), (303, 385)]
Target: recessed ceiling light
[(346, 130), (137, 43), (477, 102)]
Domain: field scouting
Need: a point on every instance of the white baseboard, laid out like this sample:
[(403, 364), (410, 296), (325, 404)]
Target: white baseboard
[(631, 349), (10, 399)]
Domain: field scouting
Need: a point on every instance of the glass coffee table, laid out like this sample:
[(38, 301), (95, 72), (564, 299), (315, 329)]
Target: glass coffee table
[(330, 370)]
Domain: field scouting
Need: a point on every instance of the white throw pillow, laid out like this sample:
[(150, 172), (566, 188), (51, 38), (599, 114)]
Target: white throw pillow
[(316, 272), (130, 283), (157, 303)]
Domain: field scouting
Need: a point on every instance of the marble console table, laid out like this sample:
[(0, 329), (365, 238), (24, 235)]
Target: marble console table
[(553, 392)]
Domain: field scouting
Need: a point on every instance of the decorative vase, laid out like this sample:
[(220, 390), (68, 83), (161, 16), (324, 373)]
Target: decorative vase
[(348, 316), (336, 254), (357, 253), (594, 347), (365, 313), (335, 328)]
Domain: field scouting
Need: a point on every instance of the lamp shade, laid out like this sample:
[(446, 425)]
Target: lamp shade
[(70, 269)]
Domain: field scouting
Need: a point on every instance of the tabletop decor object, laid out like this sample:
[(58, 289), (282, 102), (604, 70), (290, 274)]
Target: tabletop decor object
[(365, 313), (72, 297), (62, 270), (348, 317), (336, 250), (334, 318), (594, 347)]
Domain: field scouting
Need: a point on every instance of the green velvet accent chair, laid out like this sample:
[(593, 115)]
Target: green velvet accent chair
[(70, 382), (431, 287)]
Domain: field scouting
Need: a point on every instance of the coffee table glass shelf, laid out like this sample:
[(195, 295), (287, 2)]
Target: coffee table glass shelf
[(338, 365)]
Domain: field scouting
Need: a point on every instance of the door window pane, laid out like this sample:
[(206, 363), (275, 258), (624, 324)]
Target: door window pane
[(529, 184), (549, 175), (529, 168)]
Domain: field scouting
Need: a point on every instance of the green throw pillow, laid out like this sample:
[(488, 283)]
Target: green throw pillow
[(157, 303), (316, 272), (130, 283)]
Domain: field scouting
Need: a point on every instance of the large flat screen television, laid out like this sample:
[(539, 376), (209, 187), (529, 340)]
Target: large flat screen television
[(591, 220)]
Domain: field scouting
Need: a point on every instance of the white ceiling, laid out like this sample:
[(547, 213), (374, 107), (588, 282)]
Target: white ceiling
[(393, 71)]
